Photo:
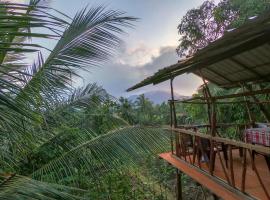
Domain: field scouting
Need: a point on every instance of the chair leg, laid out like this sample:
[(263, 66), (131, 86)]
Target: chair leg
[(253, 159), (267, 159), (225, 154), (241, 152), (214, 160), (215, 197)]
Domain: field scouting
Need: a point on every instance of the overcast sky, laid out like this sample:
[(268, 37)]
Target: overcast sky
[(148, 47)]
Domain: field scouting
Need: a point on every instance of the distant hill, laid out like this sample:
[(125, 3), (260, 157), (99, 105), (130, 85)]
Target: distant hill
[(158, 97)]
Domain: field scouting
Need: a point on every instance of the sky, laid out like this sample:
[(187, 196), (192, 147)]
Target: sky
[(147, 47)]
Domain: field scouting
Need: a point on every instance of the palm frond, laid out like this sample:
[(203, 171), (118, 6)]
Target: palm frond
[(90, 39), (117, 149), (13, 187)]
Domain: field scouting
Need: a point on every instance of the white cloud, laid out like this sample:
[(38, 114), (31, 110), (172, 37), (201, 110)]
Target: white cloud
[(137, 56), (17, 1), (116, 77)]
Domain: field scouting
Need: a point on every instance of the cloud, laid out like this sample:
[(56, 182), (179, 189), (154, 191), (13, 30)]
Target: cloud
[(117, 76), (136, 56), (17, 1)]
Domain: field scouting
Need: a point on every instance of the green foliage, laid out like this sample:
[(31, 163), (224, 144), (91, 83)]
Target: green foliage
[(143, 112), (203, 25)]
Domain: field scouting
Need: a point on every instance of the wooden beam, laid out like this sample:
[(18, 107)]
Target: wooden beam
[(226, 102), (229, 96)]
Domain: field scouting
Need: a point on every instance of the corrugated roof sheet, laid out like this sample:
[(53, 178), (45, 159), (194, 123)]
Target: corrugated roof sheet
[(240, 56)]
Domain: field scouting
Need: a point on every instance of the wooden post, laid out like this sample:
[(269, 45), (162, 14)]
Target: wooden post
[(244, 170), (261, 106), (179, 184), (174, 122), (171, 124), (178, 173), (211, 109), (173, 104), (231, 166)]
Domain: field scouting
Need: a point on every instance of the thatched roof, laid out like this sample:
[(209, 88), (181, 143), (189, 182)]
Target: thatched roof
[(240, 56)]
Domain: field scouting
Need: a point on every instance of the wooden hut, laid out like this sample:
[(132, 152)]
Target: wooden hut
[(230, 169)]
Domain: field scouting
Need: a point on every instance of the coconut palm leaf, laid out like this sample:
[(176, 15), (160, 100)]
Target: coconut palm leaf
[(90, 39), (115, 150), (13, 187), (16, 22)]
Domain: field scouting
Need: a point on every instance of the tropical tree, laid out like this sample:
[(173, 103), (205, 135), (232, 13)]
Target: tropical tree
[(144, 108), (126, 110), (49, 139), (205, 24)]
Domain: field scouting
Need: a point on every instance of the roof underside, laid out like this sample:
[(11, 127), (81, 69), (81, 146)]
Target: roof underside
[(240, 56)]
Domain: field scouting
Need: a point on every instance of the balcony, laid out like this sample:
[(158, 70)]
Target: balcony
[(228, 168)]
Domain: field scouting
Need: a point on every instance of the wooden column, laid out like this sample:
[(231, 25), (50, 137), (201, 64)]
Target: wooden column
[(177, 144), (171, 124), (179, 185), (211, 109), (261, 106), (173, 105)]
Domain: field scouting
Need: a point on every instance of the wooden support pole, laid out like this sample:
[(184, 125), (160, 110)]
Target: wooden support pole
[(174, 122), (173, 104), (171, 121), (231, 166), (258, 175), (261, 106), (244, 170), (179, 184)]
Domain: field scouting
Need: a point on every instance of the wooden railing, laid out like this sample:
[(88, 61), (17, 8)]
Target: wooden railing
[(203, 151)]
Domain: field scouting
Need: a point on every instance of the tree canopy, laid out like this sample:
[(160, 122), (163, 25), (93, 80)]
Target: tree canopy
[(205, 24)]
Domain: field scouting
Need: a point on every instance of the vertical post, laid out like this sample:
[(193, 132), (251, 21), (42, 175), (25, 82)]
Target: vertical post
[(179, 184), (174, 124), (261, 106), (251, 120), (173, 105), (171, 124), (211, 109)]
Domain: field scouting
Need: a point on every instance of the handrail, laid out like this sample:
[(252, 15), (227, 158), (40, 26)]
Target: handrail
[(218, 125), (252, 147)]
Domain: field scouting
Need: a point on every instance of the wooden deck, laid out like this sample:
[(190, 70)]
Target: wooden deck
[(220, 188)]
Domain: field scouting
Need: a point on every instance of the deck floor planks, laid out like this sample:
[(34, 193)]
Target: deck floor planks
[(253, 186)]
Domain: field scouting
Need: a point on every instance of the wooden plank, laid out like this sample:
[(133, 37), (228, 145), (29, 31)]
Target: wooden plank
[(212, 183), (229, 96)]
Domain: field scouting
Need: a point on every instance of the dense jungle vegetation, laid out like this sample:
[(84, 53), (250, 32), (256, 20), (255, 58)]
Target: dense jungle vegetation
[(61, 142)]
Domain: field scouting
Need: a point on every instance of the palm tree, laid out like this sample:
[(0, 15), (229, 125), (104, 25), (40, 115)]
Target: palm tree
[(40, 151), (144, 109)]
